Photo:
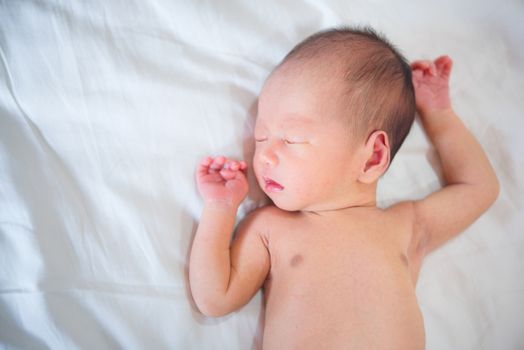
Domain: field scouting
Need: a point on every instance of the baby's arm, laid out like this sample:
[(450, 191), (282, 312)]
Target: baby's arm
[(222, 278), (471, 184)]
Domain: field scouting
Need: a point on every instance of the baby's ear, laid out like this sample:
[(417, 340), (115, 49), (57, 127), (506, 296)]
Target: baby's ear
[(376, 157)]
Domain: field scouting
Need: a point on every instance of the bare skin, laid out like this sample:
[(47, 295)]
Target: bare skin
[(337, 271)]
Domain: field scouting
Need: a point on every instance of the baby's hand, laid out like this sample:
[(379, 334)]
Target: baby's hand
[(430, 80), (222, 180)]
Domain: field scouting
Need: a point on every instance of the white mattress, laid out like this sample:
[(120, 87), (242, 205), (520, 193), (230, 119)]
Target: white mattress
[(106, 106)]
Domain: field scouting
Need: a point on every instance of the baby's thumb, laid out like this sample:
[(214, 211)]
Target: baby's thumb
[(228, 174)]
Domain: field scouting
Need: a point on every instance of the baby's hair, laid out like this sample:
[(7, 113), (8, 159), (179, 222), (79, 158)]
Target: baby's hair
[(379, 93)]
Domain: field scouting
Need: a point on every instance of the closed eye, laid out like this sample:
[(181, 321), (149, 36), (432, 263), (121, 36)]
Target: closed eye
[(260, 140), (290, 142)]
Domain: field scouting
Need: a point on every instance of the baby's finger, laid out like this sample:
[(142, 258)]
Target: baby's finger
[(442, 60), (433, 70), (203, 166), (243, 165), (218, 162), (421, 64), (417, 73), (228, 174), (229, 164), (234, 165), (427, 67), (416, 77), (444, 65), (206, 161)]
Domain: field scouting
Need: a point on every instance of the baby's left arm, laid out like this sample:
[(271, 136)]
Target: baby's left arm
[(471, 184)]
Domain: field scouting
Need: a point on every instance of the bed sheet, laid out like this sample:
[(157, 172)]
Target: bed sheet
[(106, 106)]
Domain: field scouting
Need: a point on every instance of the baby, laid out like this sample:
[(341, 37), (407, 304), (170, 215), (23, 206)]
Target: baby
[(337, 271)]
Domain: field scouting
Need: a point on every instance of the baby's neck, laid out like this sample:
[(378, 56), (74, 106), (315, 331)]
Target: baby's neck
[(361, 197)]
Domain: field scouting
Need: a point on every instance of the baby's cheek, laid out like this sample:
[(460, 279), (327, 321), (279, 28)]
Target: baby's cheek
[(256, 167), (255, 157), (320, 178)]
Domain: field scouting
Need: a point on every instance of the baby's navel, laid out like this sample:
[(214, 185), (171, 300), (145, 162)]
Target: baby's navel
[(296, 260)]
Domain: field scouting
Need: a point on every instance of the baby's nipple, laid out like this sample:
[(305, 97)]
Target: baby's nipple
[(296, 260)]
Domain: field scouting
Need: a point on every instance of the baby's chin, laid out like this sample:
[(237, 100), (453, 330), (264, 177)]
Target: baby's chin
[(285, 204), (294, 204)]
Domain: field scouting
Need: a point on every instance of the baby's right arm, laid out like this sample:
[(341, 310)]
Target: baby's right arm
[(222, 278)]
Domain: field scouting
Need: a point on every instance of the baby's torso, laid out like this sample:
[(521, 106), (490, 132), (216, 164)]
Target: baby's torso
[(341, 284)]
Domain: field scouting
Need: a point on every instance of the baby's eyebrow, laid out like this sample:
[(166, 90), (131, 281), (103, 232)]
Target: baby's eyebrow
[(300, 118), (301, 122), (292, 122), (300, 129)]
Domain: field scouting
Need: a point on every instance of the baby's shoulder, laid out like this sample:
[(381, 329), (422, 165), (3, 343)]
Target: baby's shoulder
[(267, 214), (264, 219), (400, 217), (401, 211), (403, 216)]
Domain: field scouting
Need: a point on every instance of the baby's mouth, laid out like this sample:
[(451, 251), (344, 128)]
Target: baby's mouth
[(272, 186)]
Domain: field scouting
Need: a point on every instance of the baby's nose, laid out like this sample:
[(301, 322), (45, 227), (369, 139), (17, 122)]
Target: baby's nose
[(269, 157)]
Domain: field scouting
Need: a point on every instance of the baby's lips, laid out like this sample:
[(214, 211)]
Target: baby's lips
[(272, 185)]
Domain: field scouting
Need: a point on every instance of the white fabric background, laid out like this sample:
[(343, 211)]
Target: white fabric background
[(106, 106)]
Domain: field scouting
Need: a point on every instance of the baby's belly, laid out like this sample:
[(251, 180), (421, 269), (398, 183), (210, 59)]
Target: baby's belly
[(342, 303)]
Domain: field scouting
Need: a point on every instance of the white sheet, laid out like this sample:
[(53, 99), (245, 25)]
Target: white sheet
[(106, 106)]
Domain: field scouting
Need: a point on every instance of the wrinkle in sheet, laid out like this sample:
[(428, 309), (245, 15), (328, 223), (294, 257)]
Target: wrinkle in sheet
[(65, 191)]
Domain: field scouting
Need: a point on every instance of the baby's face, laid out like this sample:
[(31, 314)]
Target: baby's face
[(304, 158)]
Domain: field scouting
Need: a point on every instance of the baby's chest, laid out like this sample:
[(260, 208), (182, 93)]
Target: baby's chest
[(338, 283), (343, 259)]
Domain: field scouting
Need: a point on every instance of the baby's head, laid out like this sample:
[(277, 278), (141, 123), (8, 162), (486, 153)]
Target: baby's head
[(331, 117)]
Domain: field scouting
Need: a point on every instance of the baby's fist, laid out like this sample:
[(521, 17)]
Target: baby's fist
[(222, 180), (431, 83)]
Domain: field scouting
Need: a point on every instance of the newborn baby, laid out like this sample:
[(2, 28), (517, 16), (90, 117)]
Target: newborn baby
[(337, 271)]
